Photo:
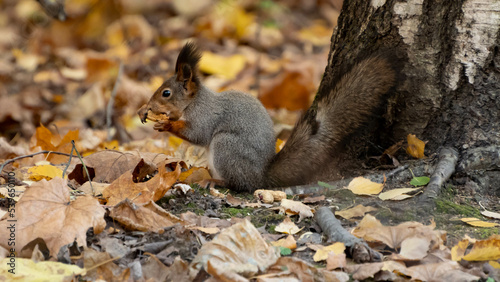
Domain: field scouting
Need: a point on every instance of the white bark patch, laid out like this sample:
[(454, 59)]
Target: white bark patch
[(377, 3), (409, 12), (477, 32)]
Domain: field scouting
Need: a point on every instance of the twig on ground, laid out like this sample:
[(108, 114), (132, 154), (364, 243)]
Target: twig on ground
[(358, 249), (32, 155), (109, 109)]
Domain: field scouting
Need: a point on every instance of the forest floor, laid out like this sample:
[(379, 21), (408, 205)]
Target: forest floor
[(75, 86)]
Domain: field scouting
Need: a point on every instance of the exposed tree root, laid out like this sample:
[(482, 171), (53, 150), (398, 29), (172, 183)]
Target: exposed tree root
[(444, 169), (332, 228)]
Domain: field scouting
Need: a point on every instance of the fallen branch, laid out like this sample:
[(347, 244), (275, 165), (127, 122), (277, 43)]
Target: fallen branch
[(357, 248)]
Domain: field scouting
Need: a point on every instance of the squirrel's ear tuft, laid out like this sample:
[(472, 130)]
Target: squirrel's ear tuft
[(186, 67), (189, 55)]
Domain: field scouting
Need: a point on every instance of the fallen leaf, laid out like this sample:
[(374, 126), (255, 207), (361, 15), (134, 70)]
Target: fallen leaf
[(47, 172), (294, 207), (288, 242), (415, 146), (363, 186), (29, 270), (397, 194), (143, 192), (227, 67), (458, 251), (491, 214), (99, 265), (143, 217), (238, 251), (295, 269), (357, 211), (322, 254), (45, 211), (318, 34), (287, 227), (483, 250), (364, 270), (47, 141), (334, 261), (414, 248), (477, 222), (420, 181)]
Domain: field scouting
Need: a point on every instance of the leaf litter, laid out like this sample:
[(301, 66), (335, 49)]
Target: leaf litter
[(57, 79)]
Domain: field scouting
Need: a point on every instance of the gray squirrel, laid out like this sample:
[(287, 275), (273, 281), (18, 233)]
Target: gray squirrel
[(238, 132)]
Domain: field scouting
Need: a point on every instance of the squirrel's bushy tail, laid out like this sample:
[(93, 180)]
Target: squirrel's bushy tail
[(333, 117)]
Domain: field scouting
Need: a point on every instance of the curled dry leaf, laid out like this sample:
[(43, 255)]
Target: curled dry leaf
[(238, 251), (294, 269), (372, 230), (45, 211), (288, 242), (363, 186), (287, 227), (458, 251), (143, 217), (143, 192), (357, 211), (108, 165), (335, 261), (294, 207), (483, 250), (415, 146)]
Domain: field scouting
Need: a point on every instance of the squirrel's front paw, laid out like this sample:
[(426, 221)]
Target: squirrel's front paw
[(163, 125)]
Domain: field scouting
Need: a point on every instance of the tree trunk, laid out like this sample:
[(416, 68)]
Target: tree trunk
[(448, 93)]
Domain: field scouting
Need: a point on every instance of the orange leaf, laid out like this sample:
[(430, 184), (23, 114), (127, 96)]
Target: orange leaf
[(415, 146)]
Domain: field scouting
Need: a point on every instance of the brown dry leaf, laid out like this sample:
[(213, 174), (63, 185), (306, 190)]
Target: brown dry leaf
[(364, 270), (363, 186), (413, 248), (214, 192), (357, 211), (288, 242), (482, 250), (8, 151), (294, 269), (322, 254), (443, 271), (291, 89), (335, 261), (45, 211), (234, 202), (287, 227), (238, 251), (143, 192), (477, 222), (95, 190), (294, 207), (143, 217), (415, 146), (372, 230), (313, 200), (100, 265), (109, 165), (204, 221), (47, 141), (397, 194), (133, 28), (458, 251), (100, 68)]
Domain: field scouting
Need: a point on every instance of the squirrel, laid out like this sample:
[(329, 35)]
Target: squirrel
[(238, 131)]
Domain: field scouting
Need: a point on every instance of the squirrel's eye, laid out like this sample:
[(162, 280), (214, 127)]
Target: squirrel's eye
[(166, 93)]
